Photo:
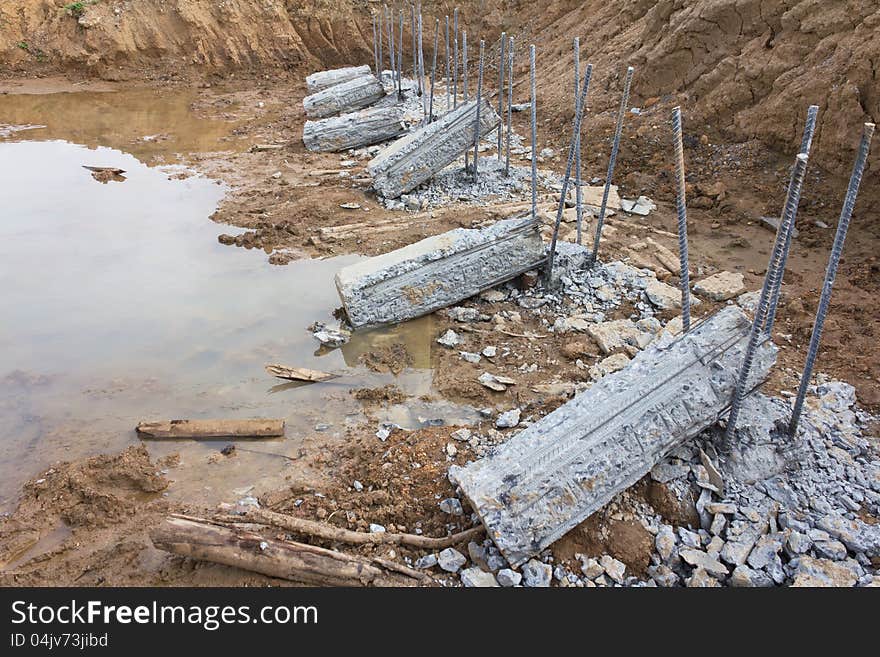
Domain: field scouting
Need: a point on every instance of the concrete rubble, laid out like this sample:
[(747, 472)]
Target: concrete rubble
[(346, 97), (558, 471), (416, 157), (437, 272), (324, 79), (355, 129)]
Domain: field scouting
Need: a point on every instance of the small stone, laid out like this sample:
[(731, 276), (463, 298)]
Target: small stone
[(376, 529), (700, 578), (704, 561), (537, 574), (427, 561), (664, 542), (358, 486), (449, 339), (452, 506), (718, 524), (663, 575), (451, 560), (591, 568), (854, 534), (613, 568), (665, 472), (834, 550), (508, 419), (462, 435), (765, 550), (663, 296), (745, 577), (812, 572), (721, 507), (470, 357), (490, 351), (721, 286), (478, 578), (508, 578), (451, 449), (797, 543)]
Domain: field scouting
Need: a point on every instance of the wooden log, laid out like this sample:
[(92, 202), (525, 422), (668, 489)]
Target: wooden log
[(324, 79), (259, 428), (438, 271), (416, 157), (299, 373), (355, 129), (346, 97), (237, 547), (551, 476)]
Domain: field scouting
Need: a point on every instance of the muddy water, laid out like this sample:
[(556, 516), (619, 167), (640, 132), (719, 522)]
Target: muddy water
[(119, 305)]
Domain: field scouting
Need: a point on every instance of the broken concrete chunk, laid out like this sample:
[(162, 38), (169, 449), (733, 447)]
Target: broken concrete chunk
[(613, 363), (495, 382), (555, 473), (323, 79), (477, 578), (642, 206), (721, 286), (614, 336), (449, 339), (822, 573), (354, 130), (663, 296), (508, 419), (346, 97), (537, 574), (437, 272), (416, 157)]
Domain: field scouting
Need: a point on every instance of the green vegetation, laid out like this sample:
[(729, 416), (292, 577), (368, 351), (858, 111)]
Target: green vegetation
[(76, 9), (23, 45)]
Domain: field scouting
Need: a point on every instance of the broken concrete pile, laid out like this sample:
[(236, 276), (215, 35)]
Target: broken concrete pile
[(345, 97), (323, 79), (354, 129), (558, 471), (437, 272)]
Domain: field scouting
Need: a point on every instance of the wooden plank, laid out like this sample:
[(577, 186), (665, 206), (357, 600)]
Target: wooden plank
[(299, 373), (354, 129), (346, 97), (551, 476), (261, 428), (438, 271), (416, 157), (237, 547)]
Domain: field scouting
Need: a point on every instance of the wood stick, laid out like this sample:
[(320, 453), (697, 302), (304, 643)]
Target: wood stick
[(331, 533), (208, 541), (299, 373), (261, 428)]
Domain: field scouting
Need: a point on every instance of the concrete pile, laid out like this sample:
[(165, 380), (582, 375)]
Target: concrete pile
[(558, 471), (323, 79), (348, 96), (355, 129), (418, 156), (437, 272)]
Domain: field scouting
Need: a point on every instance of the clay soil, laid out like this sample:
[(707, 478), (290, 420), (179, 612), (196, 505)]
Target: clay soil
[(744, 73)]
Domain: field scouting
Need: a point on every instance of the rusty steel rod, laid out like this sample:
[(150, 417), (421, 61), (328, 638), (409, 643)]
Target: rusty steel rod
[(509, 103), (447, 80), (434, 70), (576, 128), (579, 194), (455, 57), (501, 91), (771, 279), (464, 73), (400, 61), (609, 175), (681, 211), (806, 143), (534, 125), (479, 102), (849, 203)]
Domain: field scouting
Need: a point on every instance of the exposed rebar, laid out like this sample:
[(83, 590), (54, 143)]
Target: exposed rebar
[(576, 128), (391, 41), (534, 121), (400, 61), (412, 24), (421, 63), (615, 147), (509, 103), (375, 60), (479, 102), (379, 28), (448, 90), (806, 142), (579, 194), (434, 70), (681, 210), (464, 72), (501, 91), (771, 279), (455, 57), (849, 202)]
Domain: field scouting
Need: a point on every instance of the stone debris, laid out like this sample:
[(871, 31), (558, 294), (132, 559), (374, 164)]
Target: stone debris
[(329, 337), (437, 272), (452, 506), (528, 495), (477, 578), (419, 155), (642, 206), (721, 286), (354, 129), (345, 97), (613, 568), (508, 578), (536, 574), (451, 560), (508, 419), (449, 339), (323, 79), (496, 382)]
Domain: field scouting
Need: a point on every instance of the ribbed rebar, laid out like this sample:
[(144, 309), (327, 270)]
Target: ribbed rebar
[(509, 103), (400, 61), (375, 56), (852, 192), (381, 54), (579, 194), (501, 91), (534, 121), (771, 279), (448, 90), (806, 142), (479, 102), (681, 210), (415, 59), (434, 70), (455, 57), (421, 63), (391, 41), (615, 147), (464, 72), (576, 128)]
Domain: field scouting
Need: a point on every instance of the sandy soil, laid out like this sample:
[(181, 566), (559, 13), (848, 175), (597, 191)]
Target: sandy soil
[(737, 68)]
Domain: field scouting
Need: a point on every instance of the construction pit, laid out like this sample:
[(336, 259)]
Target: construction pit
[(164, 290)]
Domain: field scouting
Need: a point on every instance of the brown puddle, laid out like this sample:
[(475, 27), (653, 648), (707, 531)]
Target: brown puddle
[(119, 305)]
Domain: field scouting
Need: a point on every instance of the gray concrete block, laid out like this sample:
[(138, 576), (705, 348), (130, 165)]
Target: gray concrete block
[(553, 475), (324, 79), (355, 129), (438, 271), (346, 97), (416, 157)]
